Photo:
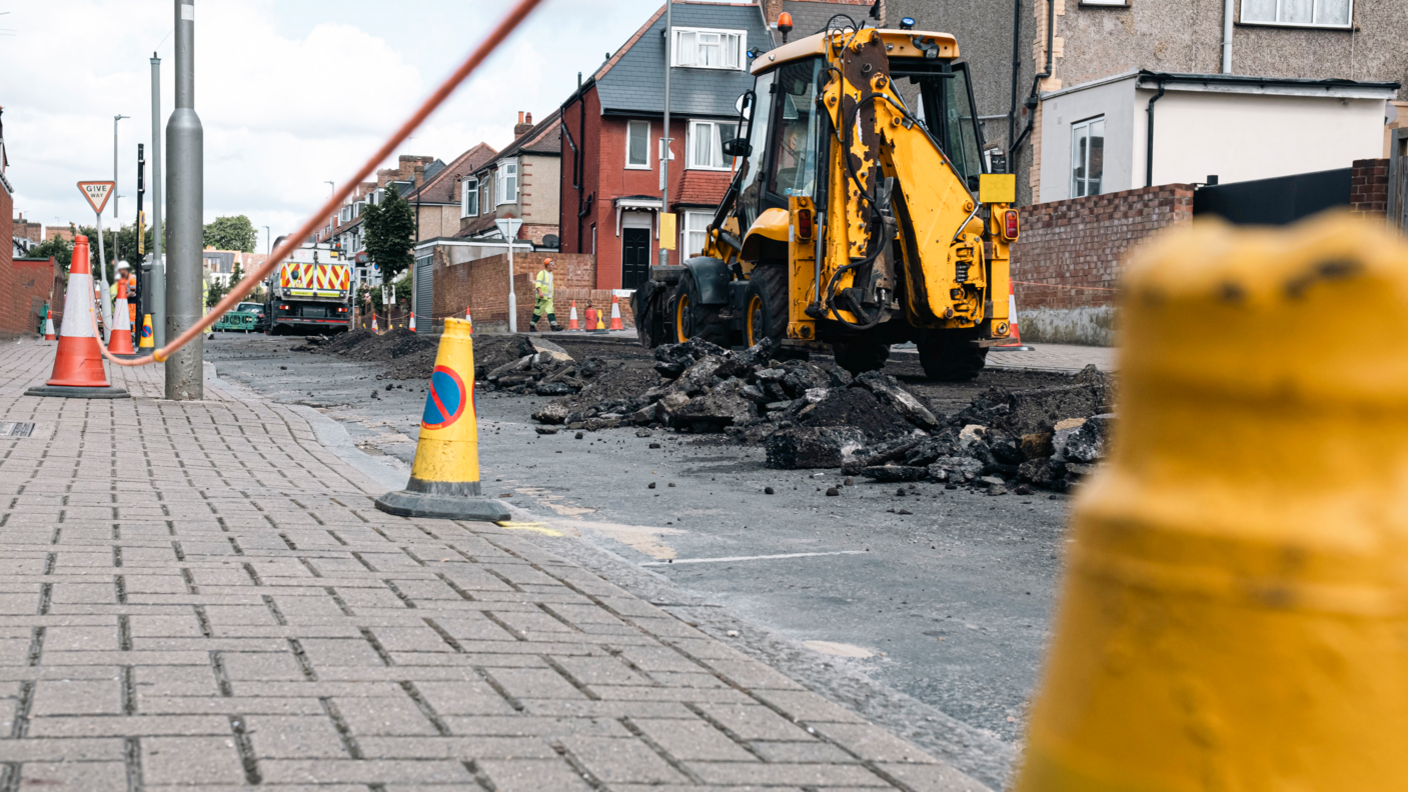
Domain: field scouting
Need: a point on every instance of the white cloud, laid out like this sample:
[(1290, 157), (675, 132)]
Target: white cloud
[(290, 93)]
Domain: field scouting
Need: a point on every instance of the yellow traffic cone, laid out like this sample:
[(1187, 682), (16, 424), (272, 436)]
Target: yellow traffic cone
[(1233, 614), (445, 475), (146, 342)]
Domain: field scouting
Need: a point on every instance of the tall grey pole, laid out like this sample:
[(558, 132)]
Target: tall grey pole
[(185, 209), (158, 282), (665, 136), (116, 197), (103, 285)]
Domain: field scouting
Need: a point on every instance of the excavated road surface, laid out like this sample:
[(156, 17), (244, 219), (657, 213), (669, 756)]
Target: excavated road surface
[(945, 596)]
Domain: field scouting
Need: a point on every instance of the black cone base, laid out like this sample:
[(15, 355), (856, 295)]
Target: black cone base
[(69, 392), (443, 507)]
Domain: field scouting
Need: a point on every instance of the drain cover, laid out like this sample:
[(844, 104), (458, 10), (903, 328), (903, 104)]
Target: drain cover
[(16, 429)]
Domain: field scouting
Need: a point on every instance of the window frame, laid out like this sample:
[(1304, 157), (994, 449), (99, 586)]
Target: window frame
[(1242, 19), (504, 179), (739, 55), (645, 165), (468, 186), (1086, 123), (705, 217), (716, 147)]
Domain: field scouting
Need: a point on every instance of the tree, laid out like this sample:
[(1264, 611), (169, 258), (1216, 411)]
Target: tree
[(391, 228), (57, 247), (231, 233)]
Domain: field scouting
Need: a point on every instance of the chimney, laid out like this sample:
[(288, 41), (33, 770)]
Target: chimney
[(420, 175), (771, 10), (525, 123)]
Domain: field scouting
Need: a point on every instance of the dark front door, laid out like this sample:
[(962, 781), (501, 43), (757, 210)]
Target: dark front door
[(635, 257)]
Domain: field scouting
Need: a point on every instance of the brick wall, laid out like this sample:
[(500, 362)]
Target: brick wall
[(26, 229), (28, 287), (1071, 252), (1368, 188), (482, 286)]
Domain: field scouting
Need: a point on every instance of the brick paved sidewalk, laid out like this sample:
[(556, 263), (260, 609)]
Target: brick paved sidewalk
[(199, 596)]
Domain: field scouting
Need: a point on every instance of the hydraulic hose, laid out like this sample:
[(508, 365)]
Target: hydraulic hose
[(475, 59)]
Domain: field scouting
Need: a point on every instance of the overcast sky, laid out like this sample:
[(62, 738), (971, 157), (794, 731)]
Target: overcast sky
[(292, 93)]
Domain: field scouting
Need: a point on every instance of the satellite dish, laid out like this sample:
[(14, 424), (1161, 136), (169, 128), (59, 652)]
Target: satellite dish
[(551, 241)]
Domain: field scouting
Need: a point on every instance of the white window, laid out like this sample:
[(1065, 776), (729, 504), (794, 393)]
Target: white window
[(706, 144), (1303, 13), (1087, 157), (377, 196), (486, 191), (638, 145), (695, 224), (469, 198), (507, 183), (710, 49)]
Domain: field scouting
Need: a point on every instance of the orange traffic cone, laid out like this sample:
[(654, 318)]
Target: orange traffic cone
[(616, 314), (120, 340), (375, 329), (467, 318), (78, 363), (1012, 332), (49, 324), (572, 323), (413, 323)]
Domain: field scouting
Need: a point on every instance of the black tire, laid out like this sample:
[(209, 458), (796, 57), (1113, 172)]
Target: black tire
[(859, 357), (951, 355), (690, 319), (765, 306), (648, 306)]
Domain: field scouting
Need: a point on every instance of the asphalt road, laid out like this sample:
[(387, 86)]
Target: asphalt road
[(928, 611)]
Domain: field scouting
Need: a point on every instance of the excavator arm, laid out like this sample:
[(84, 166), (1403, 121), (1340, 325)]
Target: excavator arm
[(911, 238)]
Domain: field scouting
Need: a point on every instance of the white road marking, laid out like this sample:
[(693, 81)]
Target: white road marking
[(750, 558)]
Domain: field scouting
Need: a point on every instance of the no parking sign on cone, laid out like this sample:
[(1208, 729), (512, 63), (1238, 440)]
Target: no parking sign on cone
[(445, 475)]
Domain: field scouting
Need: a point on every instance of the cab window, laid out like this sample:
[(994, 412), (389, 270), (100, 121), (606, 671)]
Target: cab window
[(750, 198), (944, 103), (792, 166)]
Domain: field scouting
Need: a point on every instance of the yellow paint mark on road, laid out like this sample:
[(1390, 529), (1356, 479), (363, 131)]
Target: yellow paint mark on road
[(644, 538), (529, 526)]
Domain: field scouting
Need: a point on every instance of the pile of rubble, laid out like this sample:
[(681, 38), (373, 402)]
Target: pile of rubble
[(537, 367), (811, 416)]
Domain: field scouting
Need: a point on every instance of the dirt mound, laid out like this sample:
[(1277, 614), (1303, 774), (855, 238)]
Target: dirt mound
[(809, 416)]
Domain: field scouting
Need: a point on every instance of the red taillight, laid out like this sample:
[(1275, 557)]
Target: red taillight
[(342, 310), (1011, 226), (283, 307), (804, 224)]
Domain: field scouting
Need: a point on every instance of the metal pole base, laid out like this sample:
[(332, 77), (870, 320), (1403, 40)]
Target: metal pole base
[(443, 507), (68, 392)]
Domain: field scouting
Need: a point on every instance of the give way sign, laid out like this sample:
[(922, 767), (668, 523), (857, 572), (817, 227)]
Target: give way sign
[(97, 193)]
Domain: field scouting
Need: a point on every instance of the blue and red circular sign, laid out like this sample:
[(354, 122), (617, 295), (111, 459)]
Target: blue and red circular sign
[(445, 402), (146, 331)]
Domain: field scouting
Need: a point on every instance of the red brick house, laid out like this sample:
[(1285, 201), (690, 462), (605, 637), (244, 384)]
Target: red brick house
[(25, 284), (612, 137)]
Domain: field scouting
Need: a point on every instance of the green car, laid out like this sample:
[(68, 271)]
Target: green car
[(247, 317)]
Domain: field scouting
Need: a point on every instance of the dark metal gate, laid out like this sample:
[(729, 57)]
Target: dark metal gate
[(1398, 180), (1278, 201)]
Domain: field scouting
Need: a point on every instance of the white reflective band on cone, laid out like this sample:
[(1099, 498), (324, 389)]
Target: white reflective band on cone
[(78, 323)]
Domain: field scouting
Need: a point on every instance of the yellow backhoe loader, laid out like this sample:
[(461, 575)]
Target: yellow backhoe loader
[(862, 212)]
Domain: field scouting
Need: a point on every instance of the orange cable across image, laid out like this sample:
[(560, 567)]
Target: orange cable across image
[(475, 59)]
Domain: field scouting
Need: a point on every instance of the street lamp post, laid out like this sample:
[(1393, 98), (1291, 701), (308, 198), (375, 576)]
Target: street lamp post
[(185, 209), (508, 227)]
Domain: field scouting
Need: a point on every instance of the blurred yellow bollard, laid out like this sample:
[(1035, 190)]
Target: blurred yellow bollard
[(1235, 610), (445, 475)]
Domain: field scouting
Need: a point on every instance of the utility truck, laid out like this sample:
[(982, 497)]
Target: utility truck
[(861, 213), (310, 292)]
